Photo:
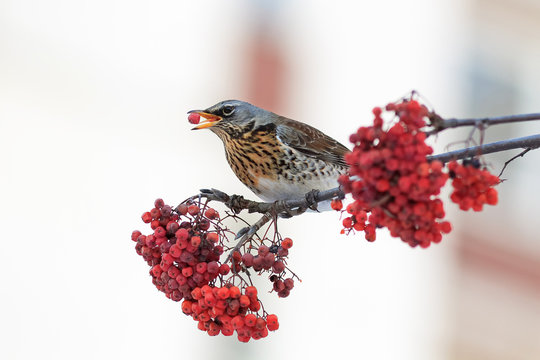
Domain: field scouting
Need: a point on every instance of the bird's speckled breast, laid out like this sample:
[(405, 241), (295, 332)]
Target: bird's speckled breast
[(253, 156), (275, 171)]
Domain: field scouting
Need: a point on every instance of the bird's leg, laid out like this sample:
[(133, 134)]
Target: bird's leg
[(311, 199)]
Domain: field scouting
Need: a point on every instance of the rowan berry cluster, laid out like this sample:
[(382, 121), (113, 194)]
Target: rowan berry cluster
[(392, 183), (225, 309), (184, 253), (473, 187)]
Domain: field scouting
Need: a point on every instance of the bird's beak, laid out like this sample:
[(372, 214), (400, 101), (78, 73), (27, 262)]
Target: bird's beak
[(210, 119)]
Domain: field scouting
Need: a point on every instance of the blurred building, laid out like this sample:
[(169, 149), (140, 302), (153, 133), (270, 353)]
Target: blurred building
[(496, 304)]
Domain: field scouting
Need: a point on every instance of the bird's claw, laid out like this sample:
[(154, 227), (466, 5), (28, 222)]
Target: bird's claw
[(242, 232), (235, 203), (311, 198), (214, 194)]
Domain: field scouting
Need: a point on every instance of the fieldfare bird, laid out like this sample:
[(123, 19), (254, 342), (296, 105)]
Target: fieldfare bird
[(276, 157)]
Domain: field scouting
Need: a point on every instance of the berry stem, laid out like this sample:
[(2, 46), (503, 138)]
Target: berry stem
[(248, 234)]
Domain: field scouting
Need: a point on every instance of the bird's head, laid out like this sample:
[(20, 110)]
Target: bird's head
[(233, 118)]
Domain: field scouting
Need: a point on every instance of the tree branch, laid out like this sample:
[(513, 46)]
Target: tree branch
[(527, 142), (286, 207), (440, 124)]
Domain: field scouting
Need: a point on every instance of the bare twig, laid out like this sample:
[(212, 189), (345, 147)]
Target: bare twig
[(512, 159)]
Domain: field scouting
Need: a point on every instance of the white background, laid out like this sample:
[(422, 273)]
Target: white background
[(93, 101)]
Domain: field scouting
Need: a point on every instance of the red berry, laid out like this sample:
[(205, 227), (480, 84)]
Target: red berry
[(236, 256), (287, 243), (289, 283), (244, 301), (194, 118), (250, 320), (282, 252), (212, 267), (446, 227), (156, 271), (201, 267), (196, 293), (251, 291), (210, 299), (175, 251), (237, 322), (195, 241), (283, 293), (193, 210), (247, 259), (173, 272), (213, 237), (260, 324), (492, 197), (159, 203), (234, 292), (141, 239), (160, 232), (336, 204), (223, 293), (382, 185), (154, 224), (167, 259), (182, 209), (272, 322), (156, 213), (146, 217), (181, 234), (263, 250), (211, 214), (187, 271), (135, 234), (278, 267), (172, 227), (268, 260), (224, 269), (278, 285)]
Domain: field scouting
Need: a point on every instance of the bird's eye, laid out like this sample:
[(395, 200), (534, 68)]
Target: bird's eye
[(227, 110)]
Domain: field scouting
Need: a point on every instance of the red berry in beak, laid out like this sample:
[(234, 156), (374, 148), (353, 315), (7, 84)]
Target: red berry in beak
[(194, 118)]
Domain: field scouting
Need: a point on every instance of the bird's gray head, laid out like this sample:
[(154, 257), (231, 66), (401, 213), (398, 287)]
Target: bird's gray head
[(233, 117)]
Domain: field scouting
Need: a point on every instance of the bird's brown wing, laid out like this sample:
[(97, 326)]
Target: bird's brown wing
[(310, 141)]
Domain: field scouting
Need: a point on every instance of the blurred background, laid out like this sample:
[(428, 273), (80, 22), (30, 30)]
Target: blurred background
[(93, 102)]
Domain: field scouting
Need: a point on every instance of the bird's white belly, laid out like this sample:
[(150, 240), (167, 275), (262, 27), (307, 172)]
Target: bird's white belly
[(272, 190)]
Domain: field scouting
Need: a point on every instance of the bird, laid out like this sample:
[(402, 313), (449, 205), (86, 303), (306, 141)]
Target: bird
[(275, 157)]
